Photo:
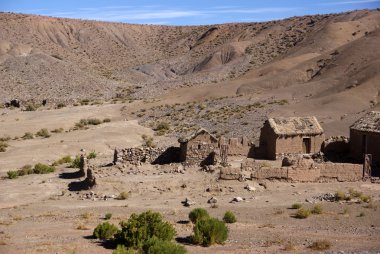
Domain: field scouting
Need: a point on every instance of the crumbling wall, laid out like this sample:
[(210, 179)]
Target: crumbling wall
[(269, 173), (237, 146), (341, 171), (303, 175), (138, 155)]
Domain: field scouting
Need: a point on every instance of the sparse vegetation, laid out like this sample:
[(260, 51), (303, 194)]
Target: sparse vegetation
[(44, 133), (28, 135), (317, 209), (320, 245), (296, 206), (302, 213), (91, 155), (63, 160), (229, 217), (289, 246), (83, 123), (198, 214), (123, 195), (3, 146), (12, 174), (209, 231), (105, 231), (162, 128), (40, 168), (106, 120), (157, 246), (58, 130), (108, 216), (340, 195), (148, 141), (76, 162)]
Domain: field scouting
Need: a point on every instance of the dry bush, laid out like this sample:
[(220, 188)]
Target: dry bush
[(123, 195), (302, 213), (320, 245), (44, 133), (317, 209), (3, 146)]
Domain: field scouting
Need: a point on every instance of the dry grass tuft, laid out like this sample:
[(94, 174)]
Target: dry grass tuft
[(320, 245)]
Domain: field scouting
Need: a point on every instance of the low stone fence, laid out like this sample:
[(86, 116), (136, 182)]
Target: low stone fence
[(311, 173), (138, 155)]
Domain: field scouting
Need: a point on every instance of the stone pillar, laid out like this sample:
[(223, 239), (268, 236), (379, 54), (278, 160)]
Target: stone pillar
[(90, 179), (115, 156), (82, 165)]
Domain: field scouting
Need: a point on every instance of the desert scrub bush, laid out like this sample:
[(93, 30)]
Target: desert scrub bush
[(229, 217), (84, 102), (366, 198), (28, 135), (12, 174), (302, 213), (108, 216), (58, 130), (26, 170), (63, 160), (44, 133), (139, 228), (320, 245), (340, 195), (5, 138), (121, 249), (209, 231), (105, 231), (31, 107), (123, 195), (60, 105), (93, 121), (76, 162), (289, 246), (157, 246), (162, 128), (40, 168), (198, 214), (296, 206), (3, 146), (317, 209), (148, 141), (106, 120), (91, 155)]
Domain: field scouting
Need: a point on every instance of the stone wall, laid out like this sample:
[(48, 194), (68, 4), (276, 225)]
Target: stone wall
[(356, 145), (304, 171), (138, 155), (237, 146)]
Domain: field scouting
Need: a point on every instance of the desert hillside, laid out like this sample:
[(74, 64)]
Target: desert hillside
[(68, 60)]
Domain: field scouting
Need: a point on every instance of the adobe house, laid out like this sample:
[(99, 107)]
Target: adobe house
[(291, 135), (365, 137), (199, 148)]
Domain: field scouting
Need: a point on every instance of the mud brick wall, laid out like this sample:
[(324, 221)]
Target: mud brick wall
[(237, 146), (303, 175), (341, 171), (270, 173), (293, 145), (230, 173), (356, 144)]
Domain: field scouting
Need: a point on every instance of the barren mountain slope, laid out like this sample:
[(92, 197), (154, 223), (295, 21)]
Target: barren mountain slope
[(65, 59)]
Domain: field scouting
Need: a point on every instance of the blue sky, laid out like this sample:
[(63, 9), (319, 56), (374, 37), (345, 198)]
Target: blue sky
[(185, 12)]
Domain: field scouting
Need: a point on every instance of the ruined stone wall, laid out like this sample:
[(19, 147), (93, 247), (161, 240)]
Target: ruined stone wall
[(237, 146), (201, 150), (268, 141), (158, 155), (301, 173), (341, 171), (356, 144)]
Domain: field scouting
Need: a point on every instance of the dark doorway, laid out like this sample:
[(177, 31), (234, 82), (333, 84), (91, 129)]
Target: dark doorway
[(364, 144), (306, 145)]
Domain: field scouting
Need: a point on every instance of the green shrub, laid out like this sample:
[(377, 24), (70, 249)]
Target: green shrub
[(157, 246), (108, 216), (120, 249), (140, 228), (28, 135), (43, 133), (26, 170), (296, 206), (3, 146), (320, 245), (40, 168), (12, 174), (76, 162), (210, 231), (302, 213), (317, 209), (198, 214), (91, 155), (104, 231), (229, 217), (162, 128)]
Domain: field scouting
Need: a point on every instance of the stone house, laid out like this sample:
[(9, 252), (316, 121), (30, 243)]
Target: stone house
[(201, 148), (291, 135), (365, 137)]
